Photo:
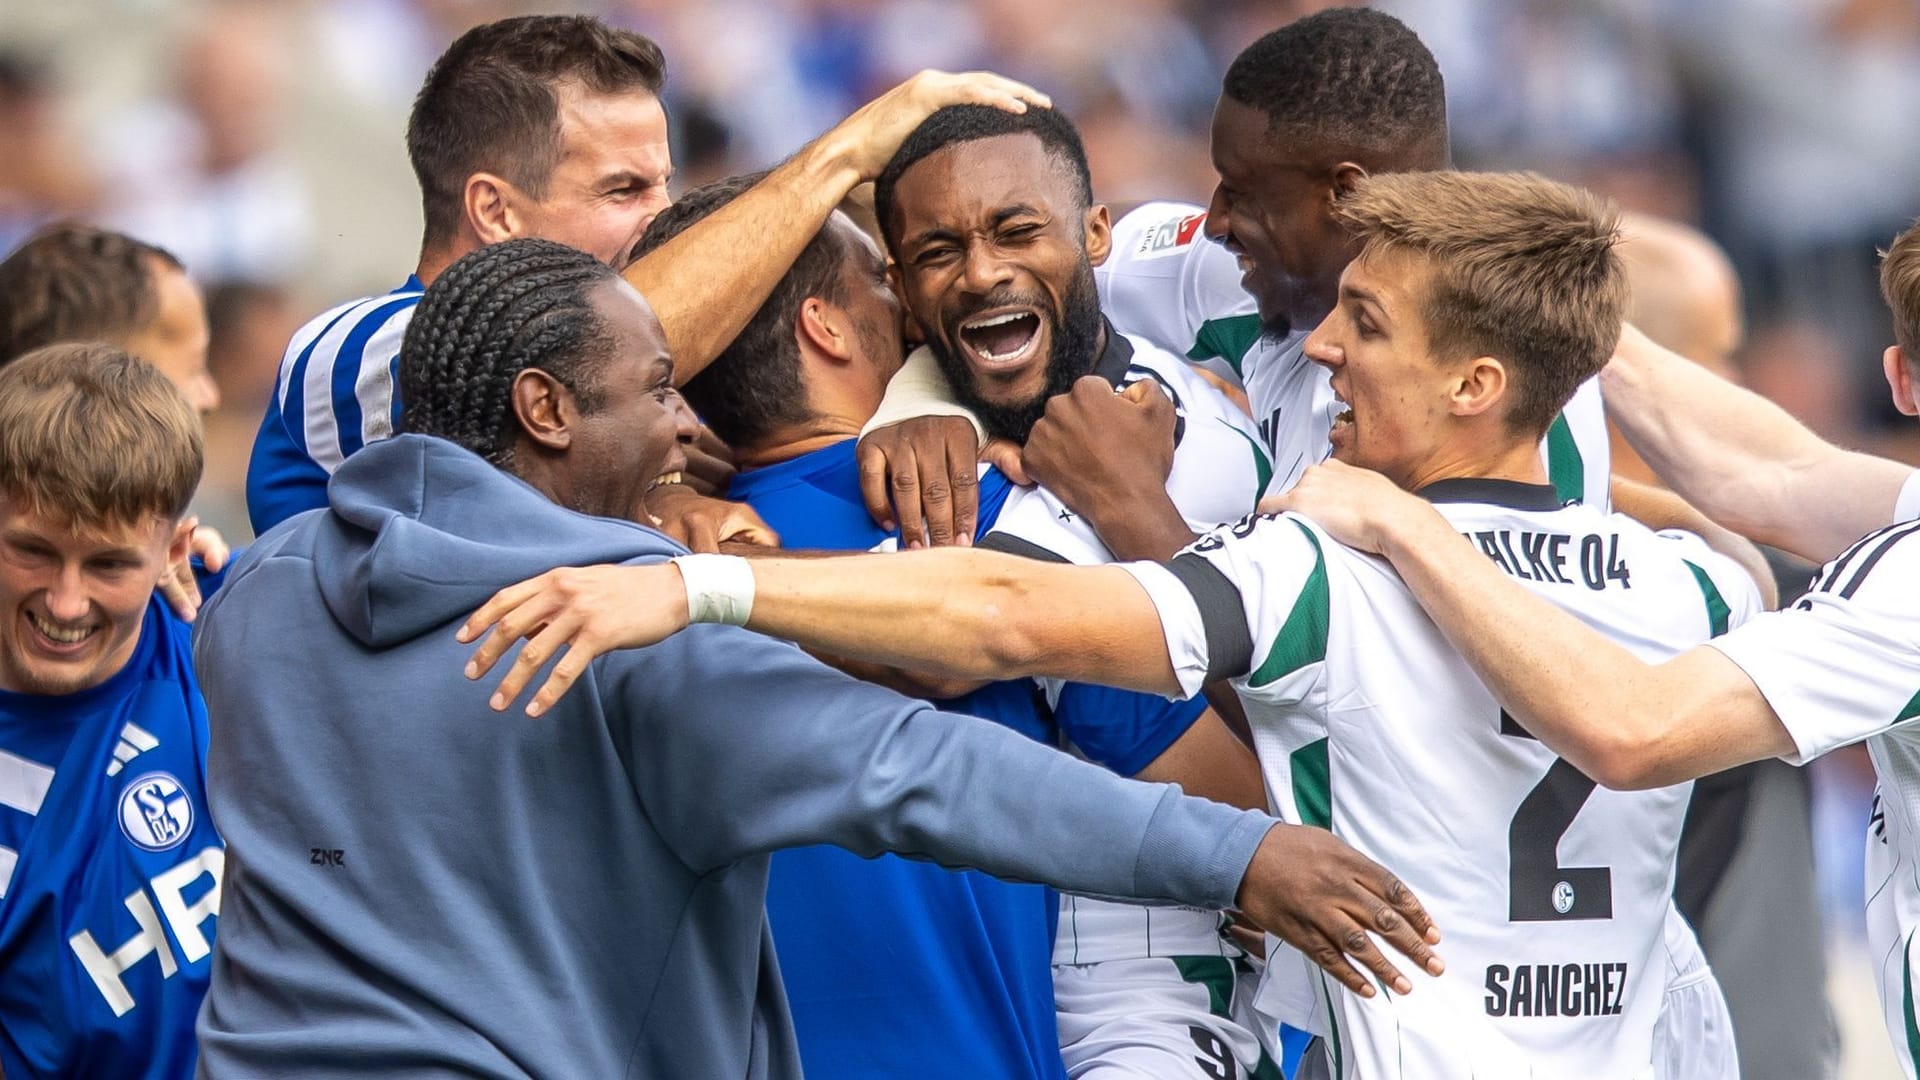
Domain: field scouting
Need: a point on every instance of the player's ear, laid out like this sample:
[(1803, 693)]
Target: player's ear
[(180, 544), (1479, 386), (1901, 380), (489, 204), (1342, 179), (825, 327), (543, 409), (1098, 233)]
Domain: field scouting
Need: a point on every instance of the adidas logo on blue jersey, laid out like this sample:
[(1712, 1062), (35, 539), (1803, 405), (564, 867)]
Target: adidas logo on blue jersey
[(134, 741)]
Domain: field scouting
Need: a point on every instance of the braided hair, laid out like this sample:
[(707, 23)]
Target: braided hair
[(491, 315)]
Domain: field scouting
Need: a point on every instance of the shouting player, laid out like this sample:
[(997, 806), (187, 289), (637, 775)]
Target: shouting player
[(1476, 307), (995, 235), (974, 995), (109, 865)]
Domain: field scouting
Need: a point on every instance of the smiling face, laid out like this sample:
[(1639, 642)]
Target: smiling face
[(612, 175), (995, 255), (74, 600), (1273, 210), (1399, 411), (632, 435)]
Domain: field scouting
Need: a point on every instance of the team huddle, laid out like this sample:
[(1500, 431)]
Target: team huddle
[(949, 632)]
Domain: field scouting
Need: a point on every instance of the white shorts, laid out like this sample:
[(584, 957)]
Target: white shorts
[(1693, 1039), (1162, 1018)]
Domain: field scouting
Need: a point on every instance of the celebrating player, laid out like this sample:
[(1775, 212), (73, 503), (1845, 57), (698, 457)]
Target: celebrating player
[(109, 865), (790, 395), (995, 235), (1564, 895), (1841, 666), (613, 860)]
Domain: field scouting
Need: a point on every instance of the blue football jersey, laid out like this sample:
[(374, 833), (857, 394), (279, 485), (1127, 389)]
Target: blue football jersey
[(895, 967), (109, 869)]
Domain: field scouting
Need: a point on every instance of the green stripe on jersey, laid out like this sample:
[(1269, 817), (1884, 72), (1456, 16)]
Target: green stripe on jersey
[(1227, 339), (1717, 610), (1303, 638), (1262, 468), (1912, 710), (1213, 972), (1312, 784), (1906, 1003), (1565, 468)]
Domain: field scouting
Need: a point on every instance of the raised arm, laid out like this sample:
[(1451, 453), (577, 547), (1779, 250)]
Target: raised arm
[(1741, 459), (706, 283), (1620, 720), (959, 612)]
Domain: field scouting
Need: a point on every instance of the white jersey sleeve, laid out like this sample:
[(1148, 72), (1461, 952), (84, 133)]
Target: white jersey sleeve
[(1843, 663), (1166, 282), (1907, 508), (1732, 596)]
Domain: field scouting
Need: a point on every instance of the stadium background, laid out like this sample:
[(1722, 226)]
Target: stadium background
[(261, 141)]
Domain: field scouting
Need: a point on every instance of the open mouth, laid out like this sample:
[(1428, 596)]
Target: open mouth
[(1003, 338), (60, 636)]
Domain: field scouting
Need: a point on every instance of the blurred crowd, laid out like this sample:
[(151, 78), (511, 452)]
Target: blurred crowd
[(260, 141)]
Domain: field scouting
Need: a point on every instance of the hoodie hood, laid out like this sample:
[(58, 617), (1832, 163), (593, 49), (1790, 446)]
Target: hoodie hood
[(419, 532)]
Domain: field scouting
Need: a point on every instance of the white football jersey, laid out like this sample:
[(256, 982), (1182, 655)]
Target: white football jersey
[(1553, 894), (1167, 283), (1841, 666), (1219, 470)]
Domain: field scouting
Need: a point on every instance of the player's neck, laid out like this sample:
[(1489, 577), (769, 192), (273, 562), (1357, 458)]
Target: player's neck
[(816, 433), (1476, 459)]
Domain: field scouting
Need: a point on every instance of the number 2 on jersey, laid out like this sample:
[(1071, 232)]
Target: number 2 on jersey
[(1539, 889)]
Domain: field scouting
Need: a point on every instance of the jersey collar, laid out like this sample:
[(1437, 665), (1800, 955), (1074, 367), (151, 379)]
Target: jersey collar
[(1116, 358), (1508, 493)]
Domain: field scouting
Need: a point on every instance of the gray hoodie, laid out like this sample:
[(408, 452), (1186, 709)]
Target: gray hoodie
[(418, 886)]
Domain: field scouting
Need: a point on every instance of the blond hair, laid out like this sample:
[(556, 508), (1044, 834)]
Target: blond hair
[(1523, 270), (1900, 285), (95, 439)]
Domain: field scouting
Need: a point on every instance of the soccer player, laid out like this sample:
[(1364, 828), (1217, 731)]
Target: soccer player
[(110, 868), (551, 126), (1840, 666), (1556, 898), (974, 997), (420, 889), (72, 283), (993, 229)]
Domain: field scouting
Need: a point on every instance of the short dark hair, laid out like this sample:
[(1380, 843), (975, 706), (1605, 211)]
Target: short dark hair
[(968, 123), (494, 313), (74, 282), (1355, 79), (753, 388), (490, 104)]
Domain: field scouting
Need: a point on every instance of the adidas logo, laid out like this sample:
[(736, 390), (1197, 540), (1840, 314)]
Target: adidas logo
[(134, 741)]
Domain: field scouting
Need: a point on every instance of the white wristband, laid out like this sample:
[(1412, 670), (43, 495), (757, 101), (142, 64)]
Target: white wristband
[(719, 588)]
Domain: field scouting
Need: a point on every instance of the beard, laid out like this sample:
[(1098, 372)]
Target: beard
[(1074, 335)]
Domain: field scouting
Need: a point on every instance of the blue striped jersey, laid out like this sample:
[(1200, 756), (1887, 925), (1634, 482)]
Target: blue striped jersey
[(109, 869), (338, 390)]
